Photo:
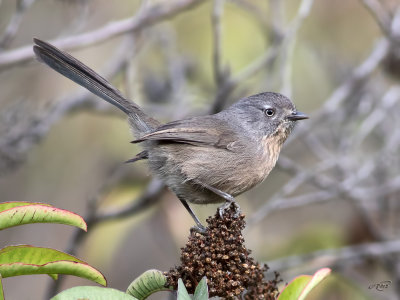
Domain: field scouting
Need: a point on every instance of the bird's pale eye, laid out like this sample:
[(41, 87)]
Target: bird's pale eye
[(269, 112)]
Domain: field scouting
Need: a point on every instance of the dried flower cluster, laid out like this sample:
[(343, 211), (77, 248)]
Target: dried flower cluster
[(221, 256)]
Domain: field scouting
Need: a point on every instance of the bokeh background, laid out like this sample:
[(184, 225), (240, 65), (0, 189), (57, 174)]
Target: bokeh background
[(333, 199)]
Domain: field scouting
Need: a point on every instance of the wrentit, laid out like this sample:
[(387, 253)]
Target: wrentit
[(206, 159)]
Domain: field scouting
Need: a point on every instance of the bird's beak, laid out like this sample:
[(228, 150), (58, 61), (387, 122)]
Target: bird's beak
[(297, 116)]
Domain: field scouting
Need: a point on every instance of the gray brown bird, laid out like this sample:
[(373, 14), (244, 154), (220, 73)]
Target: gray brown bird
[(206, 159)]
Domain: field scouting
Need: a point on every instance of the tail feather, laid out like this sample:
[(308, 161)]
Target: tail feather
[(142, 155), (78, 72)]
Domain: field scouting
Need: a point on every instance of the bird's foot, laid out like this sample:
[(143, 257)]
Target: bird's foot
[(224, 207), (199, 228)]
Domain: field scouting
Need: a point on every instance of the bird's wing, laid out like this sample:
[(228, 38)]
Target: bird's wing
[(193, 132)]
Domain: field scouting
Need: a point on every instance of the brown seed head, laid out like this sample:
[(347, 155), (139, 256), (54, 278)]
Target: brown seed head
[(220, 254)]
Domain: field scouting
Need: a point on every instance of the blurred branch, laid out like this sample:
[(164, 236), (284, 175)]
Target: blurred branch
[(337, 257), (149, 197), (369, 194), (147, 17), (380, 14), (12, 28), (218, 10), (359, 75), (253, 9), (177, 68), (391, 97), (276, 19), (329, 190), (153, 193), (345, 90), (230, 83), (303, 12), (395, 26)]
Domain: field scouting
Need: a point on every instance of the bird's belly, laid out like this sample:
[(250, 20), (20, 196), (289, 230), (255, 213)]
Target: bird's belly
[(230, 172)]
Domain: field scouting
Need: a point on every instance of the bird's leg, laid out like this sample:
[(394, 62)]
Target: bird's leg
[(199, 227), (228, 200)]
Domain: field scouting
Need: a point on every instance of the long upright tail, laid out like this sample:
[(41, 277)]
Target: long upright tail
[(78, 72)]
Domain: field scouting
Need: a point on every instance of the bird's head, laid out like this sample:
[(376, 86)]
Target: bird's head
[(267, 114)]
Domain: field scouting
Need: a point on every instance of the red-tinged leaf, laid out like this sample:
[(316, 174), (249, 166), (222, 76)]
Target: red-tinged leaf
[(8, 205), (316, 279), (28, 260), (293, 290), (39, 213), (301, 286)]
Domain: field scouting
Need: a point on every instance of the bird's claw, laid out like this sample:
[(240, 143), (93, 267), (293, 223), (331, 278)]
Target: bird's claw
[(227, 205), (199, 229), (237, 210)]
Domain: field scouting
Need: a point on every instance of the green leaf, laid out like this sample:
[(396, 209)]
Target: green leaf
[(11, 204), (182, 292), (28, 260), (53, 276), (37, 213), (294, 288), (1, 290), (316, 279), (148, 283), (92, 293), (301, 286), (201, 292)]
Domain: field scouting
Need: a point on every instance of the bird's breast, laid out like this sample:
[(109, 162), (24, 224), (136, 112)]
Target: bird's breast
[(252, 170), (270, 149)]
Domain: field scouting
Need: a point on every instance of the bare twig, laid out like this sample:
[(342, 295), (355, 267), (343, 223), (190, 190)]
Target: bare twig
[(395, 26), (343, 92), (217, 13), (276, 19), (253, 8), (381, 15), (153, 192), (149, 17), (335, 257), (12, 27), (329, 190), (303, 12), (261, 62), (377, 115)]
